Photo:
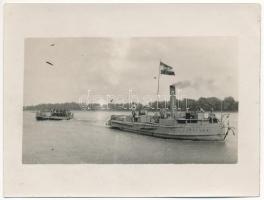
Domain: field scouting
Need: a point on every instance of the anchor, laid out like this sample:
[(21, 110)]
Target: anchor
[(229, 128)]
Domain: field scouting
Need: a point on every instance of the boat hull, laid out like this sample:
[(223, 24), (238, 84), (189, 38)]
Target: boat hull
[(52, 118), (202, 132)]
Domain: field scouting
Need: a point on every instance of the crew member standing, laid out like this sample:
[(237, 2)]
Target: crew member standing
[(133, 108)]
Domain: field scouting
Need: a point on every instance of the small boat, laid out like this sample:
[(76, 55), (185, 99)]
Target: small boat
[(54, 115)]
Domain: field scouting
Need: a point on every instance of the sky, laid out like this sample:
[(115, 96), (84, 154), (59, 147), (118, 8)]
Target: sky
[(61, 70)]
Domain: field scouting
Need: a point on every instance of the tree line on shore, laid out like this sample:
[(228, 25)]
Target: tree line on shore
[(206, 103)]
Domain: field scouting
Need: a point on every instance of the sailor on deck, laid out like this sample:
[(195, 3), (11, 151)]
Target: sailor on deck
[(133, 108)]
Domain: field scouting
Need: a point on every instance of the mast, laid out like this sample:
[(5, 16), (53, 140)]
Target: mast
[(178, 98), (221, 110), (158, 85), (186, 104)]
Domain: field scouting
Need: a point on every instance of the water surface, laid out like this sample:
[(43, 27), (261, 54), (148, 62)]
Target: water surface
[(86, 139)]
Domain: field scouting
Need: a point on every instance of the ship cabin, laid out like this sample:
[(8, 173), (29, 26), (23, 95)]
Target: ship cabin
[(170, 116)]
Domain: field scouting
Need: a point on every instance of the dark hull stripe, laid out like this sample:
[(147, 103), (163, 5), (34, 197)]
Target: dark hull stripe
[(51, 118), (151, 131), (218, 137)]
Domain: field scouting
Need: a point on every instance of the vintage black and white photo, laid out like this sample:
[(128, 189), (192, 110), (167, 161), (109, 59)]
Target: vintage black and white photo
[(130, 100)]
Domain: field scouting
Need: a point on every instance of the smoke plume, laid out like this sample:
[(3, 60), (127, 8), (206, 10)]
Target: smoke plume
[(196, 84)]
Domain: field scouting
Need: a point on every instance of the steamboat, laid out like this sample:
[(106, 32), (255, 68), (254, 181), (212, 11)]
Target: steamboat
[(173, 123)]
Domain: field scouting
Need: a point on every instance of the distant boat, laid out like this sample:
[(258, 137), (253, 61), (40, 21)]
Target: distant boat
[(54, 115)]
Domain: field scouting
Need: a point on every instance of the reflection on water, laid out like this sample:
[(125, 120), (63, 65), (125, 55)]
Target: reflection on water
[(86, 139)]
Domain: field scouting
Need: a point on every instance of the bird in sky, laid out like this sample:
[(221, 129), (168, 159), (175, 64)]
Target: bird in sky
[(49, 63)]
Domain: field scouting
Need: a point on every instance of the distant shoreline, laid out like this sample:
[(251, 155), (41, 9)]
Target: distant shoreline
[(218, 111), (206, 103)]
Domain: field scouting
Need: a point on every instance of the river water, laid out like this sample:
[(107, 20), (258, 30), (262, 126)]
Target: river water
[(86, 139)]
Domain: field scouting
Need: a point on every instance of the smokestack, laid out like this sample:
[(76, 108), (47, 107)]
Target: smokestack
[(172, 98)]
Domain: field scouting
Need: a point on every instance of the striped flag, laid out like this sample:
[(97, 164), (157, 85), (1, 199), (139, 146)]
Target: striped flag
[(166, 69)]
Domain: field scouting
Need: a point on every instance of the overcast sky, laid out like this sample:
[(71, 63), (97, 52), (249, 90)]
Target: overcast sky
[(204, 67)]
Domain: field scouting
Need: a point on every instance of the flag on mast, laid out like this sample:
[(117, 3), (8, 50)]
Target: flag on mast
[(166, 69)]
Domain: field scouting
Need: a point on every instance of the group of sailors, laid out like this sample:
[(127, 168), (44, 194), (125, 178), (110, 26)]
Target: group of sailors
[(165, 113), (59, 112), (137, 112), (212, 118), (142, 111)]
